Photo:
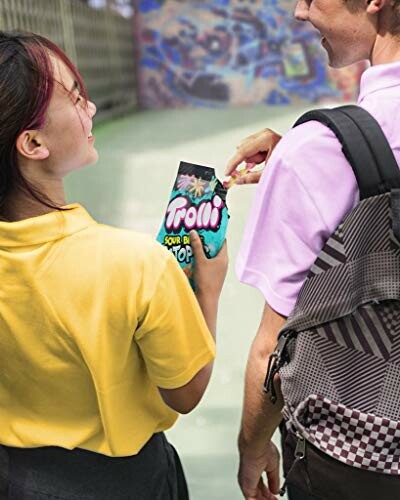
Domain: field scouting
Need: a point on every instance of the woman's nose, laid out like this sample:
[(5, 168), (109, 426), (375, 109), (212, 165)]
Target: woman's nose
[(92, 108), (301, 11)]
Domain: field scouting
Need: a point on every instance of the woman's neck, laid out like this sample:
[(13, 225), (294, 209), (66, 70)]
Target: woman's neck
[(21, 205)]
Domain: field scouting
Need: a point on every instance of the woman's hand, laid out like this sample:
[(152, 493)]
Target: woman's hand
[(209, 274), (255, 149)]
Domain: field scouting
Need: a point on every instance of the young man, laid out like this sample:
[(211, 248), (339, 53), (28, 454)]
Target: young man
[(304, 193)]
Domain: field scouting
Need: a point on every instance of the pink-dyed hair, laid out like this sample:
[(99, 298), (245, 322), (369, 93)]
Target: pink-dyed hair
[(26, 87)]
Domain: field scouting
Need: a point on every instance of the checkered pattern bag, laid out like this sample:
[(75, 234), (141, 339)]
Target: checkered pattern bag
[(338, 355)]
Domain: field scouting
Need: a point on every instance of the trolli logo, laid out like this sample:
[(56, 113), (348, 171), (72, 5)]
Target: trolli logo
[(206, 215)]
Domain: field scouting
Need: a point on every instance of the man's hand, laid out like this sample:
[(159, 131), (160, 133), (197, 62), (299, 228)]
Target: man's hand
[(260, 416), (255, 149), (251, 469)]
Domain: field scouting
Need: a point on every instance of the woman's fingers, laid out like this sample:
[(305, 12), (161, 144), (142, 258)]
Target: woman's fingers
[(223, 253), (197, 247)]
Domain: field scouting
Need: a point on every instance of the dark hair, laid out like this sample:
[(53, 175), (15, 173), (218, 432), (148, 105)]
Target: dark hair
[(26, 88), (356, 5)]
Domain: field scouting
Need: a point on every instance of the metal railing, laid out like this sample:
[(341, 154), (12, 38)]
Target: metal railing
[(99, 41)]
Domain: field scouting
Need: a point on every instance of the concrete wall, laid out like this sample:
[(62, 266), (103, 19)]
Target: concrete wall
[(98, 41), (232, 52)]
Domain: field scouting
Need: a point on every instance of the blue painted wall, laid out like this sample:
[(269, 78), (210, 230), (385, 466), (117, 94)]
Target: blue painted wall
[(232, 52)]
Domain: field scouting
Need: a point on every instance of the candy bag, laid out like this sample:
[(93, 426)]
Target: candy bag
[(198, 201)]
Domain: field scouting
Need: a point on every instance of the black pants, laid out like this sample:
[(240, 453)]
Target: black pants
[(320, 477), (52, 473)]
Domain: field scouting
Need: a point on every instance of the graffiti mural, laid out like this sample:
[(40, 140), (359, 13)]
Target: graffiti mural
[(219, 52)]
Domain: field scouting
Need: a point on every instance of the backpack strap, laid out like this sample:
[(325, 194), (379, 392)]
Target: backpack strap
[(364, 145)]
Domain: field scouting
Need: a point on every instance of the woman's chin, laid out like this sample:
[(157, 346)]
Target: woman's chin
[(94, 156), (91, 160)]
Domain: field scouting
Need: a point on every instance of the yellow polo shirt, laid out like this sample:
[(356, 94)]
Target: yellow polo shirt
[(92, 319)]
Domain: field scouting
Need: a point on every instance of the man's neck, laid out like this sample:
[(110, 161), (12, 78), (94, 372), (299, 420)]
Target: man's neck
[(386, 50)]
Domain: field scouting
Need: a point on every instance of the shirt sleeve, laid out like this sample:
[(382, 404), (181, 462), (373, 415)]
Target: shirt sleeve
[(304, 193), (173, 336)]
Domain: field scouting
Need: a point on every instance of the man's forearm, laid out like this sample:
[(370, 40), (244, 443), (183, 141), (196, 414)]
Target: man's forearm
[(260, 417)]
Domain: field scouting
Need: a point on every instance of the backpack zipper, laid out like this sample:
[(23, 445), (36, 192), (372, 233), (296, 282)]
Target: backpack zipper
[(276, 360), (299, 454)]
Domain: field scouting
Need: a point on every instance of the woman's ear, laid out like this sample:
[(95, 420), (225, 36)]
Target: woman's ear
[(30, 145)]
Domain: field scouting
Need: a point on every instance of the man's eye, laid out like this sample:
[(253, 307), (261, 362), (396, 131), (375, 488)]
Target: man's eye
[(78, 99)]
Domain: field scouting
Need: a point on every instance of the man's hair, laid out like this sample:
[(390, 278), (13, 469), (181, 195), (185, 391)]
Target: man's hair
[(356, 5)]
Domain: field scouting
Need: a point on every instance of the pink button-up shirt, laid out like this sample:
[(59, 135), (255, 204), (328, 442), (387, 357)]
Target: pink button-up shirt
[(305, 192)]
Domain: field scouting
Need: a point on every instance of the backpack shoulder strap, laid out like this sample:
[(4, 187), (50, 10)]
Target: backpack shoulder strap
[(364, 145)]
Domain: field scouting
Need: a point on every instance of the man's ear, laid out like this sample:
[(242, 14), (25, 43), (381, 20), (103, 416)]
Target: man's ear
[(374, 6), (30, 145)]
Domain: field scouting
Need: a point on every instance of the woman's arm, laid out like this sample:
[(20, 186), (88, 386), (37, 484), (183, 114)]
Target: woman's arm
[(209, 277)]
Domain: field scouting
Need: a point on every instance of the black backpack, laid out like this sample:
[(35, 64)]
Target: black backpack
[(338, 354)]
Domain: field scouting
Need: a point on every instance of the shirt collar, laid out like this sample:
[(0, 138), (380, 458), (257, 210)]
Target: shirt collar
[(379, 77), (44, 228)]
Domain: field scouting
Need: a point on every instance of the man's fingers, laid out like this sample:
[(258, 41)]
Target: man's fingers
[(255, 151), (197, 246), (248, 485), (273, 480), (262, 493), (264, 490), (262, 142), (257, 158), (234, 162), (250, 178), (249, 138), (249, 156), (246, 153), (269, 155)]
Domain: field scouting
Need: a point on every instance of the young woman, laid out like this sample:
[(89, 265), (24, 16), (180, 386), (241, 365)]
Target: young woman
[(102, 341)]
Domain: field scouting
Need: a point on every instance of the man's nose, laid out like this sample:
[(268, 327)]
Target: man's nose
[(301, 11)]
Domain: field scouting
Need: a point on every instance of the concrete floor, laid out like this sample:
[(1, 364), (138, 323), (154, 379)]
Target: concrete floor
[(129, 187)]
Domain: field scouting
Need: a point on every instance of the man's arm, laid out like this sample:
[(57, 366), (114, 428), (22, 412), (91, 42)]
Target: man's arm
[(260, 417)]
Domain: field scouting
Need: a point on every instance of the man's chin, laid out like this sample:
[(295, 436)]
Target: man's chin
[(337, 63)]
